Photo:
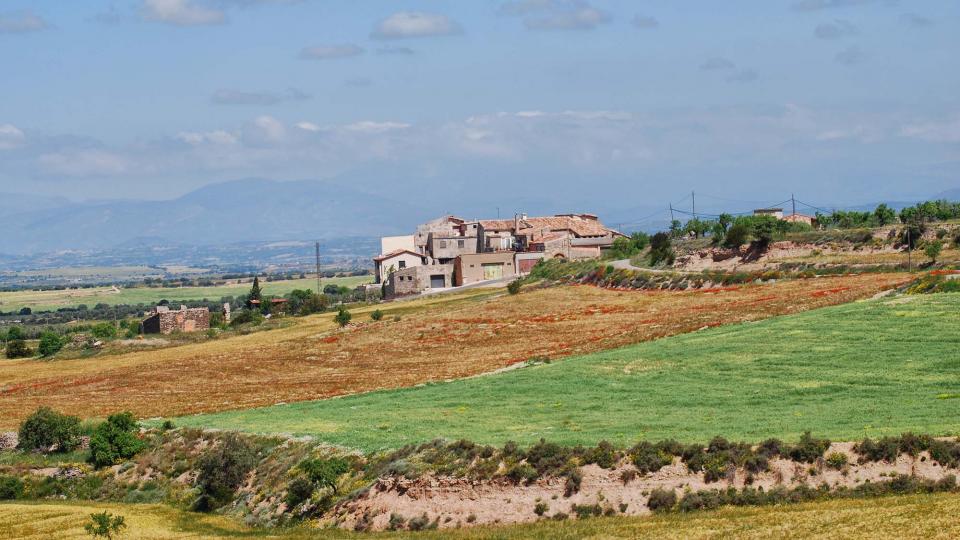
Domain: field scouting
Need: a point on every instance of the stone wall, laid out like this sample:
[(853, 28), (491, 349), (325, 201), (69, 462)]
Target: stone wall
[(166, 321)]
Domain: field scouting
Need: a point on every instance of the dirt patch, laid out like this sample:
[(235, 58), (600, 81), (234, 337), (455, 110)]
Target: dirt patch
[(456, 502)]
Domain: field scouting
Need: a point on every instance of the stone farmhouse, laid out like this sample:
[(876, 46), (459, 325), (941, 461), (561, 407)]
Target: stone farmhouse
[(451, 252), (164, 320)]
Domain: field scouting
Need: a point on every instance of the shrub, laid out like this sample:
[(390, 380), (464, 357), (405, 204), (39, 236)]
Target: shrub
[(583, 511), (736, 236), (50, 344), (559, 516), (522, 473), (325, 472), (572, 485), (648, 458), (541, 508), (419, 523), (933, 250), (222, 469), (299, 490), (115, 440), (514, 287), (11, 488), (884, 449), (103, 330), (837, 460), (16, 346), (397, 522), (247, 316), (661, 249), (105, 525), (376, 315), (342, 318), (46, 428), (604, 455), (808, 449), (661, 500)]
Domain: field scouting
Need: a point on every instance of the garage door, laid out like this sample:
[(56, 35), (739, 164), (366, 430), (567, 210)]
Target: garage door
[(437, 281), (493, 271)]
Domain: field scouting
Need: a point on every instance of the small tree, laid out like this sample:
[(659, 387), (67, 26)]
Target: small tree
[(17, 348), (736, 236), (50, 344), (115, 440), (46, 428), (325, 472), (376, 315), (255, 292), (342, 317), (104, 330), (105, 525), (222, 470), (933, 250), (661, 249), (514, 286)]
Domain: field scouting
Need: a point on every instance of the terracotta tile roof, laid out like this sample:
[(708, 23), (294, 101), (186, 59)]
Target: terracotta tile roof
[(394, 253), (577, 225)]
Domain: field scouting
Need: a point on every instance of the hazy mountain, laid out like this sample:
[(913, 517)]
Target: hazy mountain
[(15, 203), (242, 210)]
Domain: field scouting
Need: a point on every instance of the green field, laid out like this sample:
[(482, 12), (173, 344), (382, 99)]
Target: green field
[(913, 516), (867, 368), (52, 300)]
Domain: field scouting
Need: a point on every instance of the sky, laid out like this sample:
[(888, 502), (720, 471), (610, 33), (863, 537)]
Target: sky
[(615, 103)]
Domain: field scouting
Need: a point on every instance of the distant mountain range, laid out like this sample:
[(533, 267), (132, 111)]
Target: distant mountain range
[(237, 211), (258, 210)]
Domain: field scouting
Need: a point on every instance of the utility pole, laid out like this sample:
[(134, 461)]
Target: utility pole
[(693, 204), (671, 213), (794, 203), (909, 251), (317, 246), (498, 212)]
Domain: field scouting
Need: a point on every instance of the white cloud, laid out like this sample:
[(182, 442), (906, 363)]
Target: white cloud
[(581, 18), (10, 137), (941, 132), (21, 22), (326, 52), (210, 137), (84, 162), (409, 24), (240, 97), (308, 126), (367, 126), (181, 12), (645, 22), (265, 130)]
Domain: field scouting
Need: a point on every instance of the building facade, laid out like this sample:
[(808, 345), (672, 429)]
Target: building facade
[(166, 321)]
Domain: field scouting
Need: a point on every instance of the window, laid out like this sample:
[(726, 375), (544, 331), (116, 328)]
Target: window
[(443, 243), (460, 243), (403, 264)]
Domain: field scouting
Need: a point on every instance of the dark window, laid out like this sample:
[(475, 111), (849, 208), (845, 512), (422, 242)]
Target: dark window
[(443, 243), (403, 264), (459, 243)]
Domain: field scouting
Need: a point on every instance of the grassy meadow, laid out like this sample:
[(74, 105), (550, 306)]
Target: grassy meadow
[(54, 299), (915, 516), (865, 368)]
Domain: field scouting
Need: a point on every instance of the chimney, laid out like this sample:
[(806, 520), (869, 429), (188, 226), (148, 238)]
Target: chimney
[(516, 223)]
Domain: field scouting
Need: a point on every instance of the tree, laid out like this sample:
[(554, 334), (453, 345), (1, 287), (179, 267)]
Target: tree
[(115, 440), (376, 315), (342, 317), (50, 344), (884, 215), (46, 429), (17, 348), (736, 236), (933, 250), (104, 330), (661, 249), (26, 311), (105, 525), (325, 472), (676, 228), (514, 286), (222, 469), (255, 292), (725, 220)]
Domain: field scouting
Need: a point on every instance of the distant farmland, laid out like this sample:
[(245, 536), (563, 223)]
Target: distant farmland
[(866, 368), (54, 299), (435, 339)]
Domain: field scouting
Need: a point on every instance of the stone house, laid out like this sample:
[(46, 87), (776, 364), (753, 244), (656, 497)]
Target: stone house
[(416, 279), (475, 267), (394, 261), (166, 321)]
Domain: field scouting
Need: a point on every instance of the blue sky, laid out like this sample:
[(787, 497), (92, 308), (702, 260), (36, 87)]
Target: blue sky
[(844, 101)]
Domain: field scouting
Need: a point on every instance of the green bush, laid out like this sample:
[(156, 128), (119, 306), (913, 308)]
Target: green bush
[(736, 236), (514, 286), (325, 472), (17, 348), (46, 428), (584, 511), (661, 249), (649, 458), (115, 440), (661, 500), (808, 449), (299, 490), (836, 460), (11, 488), (522, 473), (342, 318), (376, 315), (221, 471), (105, 525), (247, 316), (541, 508), (103, 330), (604, 455), (50, 344)]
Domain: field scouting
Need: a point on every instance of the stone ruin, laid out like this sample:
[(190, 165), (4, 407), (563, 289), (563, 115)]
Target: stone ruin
[(166, 321)]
